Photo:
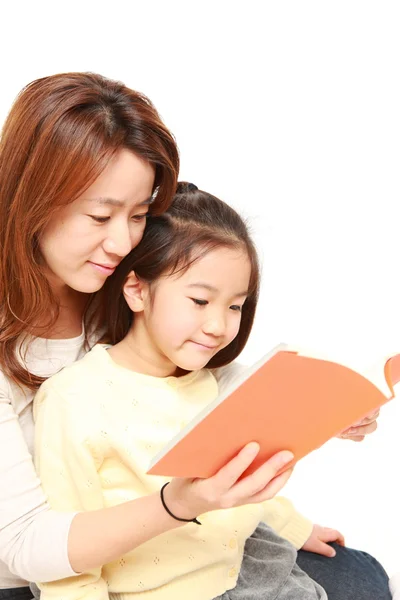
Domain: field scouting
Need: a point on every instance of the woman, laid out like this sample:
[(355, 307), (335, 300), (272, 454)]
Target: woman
[(82, 161)]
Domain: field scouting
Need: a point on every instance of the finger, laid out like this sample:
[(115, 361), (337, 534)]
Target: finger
[(353, 438), (325, 550), (330, 535), (345, 435), (366, 423), (257, 481), (272, 488), (340, 539), (227, 476), (370, 417), (363, 429)]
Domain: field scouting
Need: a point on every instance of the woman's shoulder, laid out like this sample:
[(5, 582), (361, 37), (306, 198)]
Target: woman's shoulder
[(19, 397), (77, 387), (226, 375), (5, 389), (88, 370)]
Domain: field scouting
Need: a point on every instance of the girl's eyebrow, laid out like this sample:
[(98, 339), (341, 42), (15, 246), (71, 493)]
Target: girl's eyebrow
[(211, 288), (114, 202)]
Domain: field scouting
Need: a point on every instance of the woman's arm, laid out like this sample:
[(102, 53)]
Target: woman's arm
[(33, 540)]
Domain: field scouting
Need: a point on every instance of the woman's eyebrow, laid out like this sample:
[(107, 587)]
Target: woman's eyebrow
[(114, 202)]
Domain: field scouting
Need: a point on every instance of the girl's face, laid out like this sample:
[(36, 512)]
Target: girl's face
[(188, 318), (89, 237)]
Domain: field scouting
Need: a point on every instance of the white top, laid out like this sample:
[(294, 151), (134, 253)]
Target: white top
[(395, 586), (33, 538)]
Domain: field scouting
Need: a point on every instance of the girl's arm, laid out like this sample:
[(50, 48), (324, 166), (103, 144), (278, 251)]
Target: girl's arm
[(40, 544), (67, 461), (280, 514)]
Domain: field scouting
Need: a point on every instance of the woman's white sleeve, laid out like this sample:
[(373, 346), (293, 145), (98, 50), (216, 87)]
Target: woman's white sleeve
[(33, 538), (227, 375)]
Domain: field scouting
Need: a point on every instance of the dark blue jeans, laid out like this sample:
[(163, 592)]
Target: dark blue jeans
[(21, 593), (350, 575)]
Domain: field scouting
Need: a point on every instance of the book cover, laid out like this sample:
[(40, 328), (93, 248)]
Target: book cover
[(286, 401)]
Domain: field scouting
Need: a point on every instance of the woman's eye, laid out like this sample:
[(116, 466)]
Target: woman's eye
[(199, 302), (99, 219), (138, 218)]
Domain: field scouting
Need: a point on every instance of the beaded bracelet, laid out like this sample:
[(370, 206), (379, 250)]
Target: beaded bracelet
[(170, 513)]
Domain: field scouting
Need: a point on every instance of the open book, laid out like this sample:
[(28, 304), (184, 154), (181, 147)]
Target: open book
[(286, 401)]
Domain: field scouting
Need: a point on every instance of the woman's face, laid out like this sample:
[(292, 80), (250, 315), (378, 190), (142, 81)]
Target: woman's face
[(89, 237)]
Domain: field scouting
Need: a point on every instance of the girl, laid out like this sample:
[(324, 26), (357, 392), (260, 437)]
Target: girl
[(183, 300), (82, 159)]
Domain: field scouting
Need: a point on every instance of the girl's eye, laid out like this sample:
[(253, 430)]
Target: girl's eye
[(199, 302), (236, 307), (99, 219)]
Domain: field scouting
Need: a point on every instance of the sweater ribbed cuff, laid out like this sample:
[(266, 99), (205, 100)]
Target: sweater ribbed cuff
[(297, 530)]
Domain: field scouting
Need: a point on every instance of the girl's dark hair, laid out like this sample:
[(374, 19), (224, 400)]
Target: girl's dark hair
[(195, 224), (61, 133)]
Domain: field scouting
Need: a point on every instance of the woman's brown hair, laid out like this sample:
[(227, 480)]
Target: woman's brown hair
[(195, 224), (59, 136)]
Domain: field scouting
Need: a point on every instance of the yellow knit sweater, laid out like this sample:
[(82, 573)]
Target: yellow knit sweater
[(97, 427)]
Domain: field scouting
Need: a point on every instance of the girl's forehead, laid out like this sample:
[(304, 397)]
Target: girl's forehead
[(219, 269)]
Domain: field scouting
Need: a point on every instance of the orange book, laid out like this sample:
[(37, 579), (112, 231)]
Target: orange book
[(286, 401)]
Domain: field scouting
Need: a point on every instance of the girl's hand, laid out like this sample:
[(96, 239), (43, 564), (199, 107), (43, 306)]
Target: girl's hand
[(188, 498), (358, 431), (317, 542)]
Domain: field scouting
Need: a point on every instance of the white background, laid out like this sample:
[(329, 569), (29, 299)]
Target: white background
[(291, 112)]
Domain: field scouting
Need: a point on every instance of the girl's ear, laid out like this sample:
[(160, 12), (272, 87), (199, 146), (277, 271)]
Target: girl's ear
[(135, 292)]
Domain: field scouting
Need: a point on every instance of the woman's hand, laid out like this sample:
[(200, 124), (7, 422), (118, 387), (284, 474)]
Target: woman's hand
[(358, 431), (319, 538), (188, 498)]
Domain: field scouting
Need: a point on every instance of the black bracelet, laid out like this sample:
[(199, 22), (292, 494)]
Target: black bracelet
[(170, 513)]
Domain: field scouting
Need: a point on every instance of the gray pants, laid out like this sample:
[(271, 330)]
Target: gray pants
[(269, 571), (35, 591)]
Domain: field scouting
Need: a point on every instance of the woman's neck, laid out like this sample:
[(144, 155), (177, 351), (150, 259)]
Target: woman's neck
[(69, 322)]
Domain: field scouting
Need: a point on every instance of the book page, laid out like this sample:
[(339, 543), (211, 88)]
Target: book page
[(389, 375), (375, 373)]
